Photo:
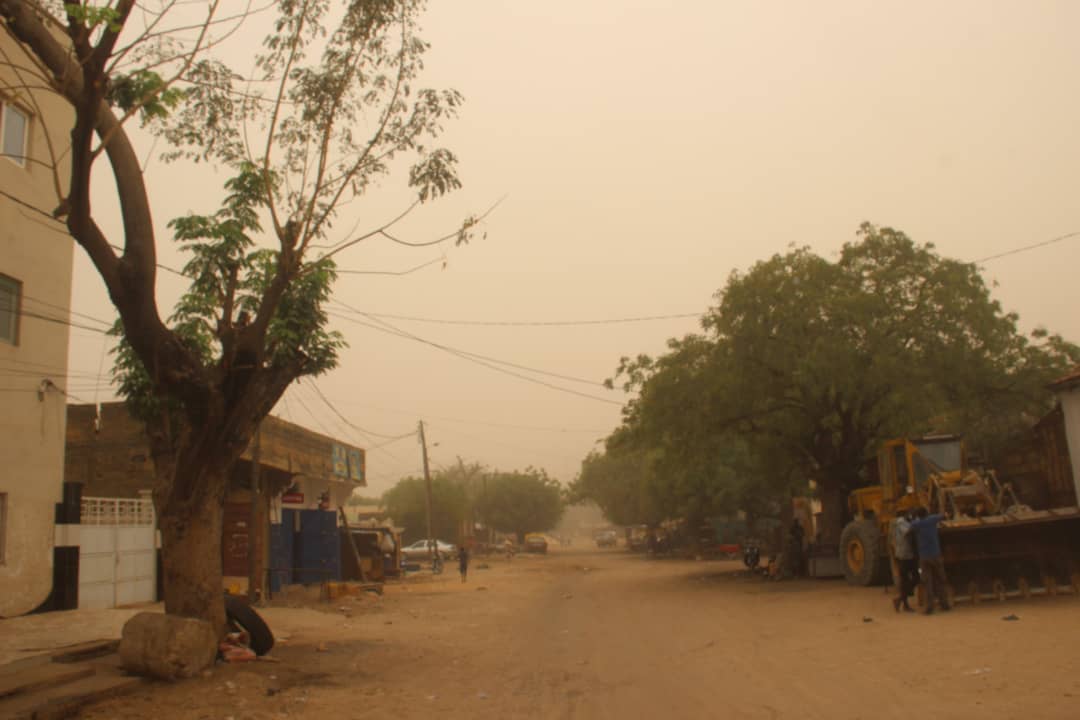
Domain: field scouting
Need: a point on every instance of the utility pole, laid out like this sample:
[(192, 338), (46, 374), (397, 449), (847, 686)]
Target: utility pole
[(427, 487)]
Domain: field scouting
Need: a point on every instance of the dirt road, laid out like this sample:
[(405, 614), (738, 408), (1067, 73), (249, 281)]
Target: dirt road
[(583, 634)]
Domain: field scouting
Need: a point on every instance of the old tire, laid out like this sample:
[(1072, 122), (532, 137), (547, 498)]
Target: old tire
[(862, 553), (243, 616)]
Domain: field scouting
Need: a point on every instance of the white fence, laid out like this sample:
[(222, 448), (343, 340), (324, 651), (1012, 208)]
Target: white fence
[(117, 511), (118, 552)]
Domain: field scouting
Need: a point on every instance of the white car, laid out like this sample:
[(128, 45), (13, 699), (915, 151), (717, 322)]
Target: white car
[(419, 550)]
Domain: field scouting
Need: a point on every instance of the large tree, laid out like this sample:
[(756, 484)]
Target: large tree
[(806, 365), (521, 501), (332, 106), (406, 504)]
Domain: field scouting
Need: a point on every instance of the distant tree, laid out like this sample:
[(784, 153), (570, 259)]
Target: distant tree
[(364, 500), (521, 502), (806, 365), (619, 483), (406, 503), (333, 106)]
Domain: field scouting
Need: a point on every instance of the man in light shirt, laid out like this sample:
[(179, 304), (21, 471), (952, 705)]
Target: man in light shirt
[(907, 563)]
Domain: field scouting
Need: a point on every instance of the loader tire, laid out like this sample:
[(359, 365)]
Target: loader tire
[(863, 554), (241, 615)]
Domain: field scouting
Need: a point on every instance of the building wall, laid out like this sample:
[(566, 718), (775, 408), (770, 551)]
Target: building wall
[(1070, 406), (37, 253), (108, 456)]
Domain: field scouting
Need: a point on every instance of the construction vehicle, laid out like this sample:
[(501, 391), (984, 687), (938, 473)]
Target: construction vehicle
[(993, 545)]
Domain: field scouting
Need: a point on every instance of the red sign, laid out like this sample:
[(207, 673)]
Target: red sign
[(293, 498)]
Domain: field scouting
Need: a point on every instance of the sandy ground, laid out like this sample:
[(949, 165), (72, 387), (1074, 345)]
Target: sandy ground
[(603, 634)]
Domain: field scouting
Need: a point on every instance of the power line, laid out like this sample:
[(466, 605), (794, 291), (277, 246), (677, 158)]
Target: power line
[(27, 313), (390, 329), (313, 417), (348, 422), (411, 270), (534, 323), (66, 309), (531, 428), (330, 433), (460, 352), (1025, 248)]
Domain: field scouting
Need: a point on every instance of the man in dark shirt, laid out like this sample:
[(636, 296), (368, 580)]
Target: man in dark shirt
[(463, 562), (931, 564)]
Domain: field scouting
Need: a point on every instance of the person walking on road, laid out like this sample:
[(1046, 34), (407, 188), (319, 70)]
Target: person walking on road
[(907, 564), (931, 564), (463, 562)]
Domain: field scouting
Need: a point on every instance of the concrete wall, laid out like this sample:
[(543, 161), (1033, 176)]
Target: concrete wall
[(38, 253)]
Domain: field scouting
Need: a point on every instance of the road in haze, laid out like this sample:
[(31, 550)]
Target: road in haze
[(604, 634)]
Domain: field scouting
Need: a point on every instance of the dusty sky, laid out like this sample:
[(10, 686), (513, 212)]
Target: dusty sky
[(645, 151)]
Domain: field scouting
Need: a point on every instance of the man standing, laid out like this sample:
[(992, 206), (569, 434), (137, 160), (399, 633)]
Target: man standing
[(906, 565), (931, 564), (463, 562)]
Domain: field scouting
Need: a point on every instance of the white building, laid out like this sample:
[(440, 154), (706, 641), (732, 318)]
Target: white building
[(35, 299), (1068, 393)]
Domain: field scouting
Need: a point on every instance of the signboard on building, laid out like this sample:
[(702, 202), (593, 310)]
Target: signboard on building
[(340, 460), (356, 466), (293, 498)]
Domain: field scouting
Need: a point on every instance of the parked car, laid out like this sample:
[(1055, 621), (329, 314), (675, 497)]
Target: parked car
[(419, 550), (606, 538), (535, 543)]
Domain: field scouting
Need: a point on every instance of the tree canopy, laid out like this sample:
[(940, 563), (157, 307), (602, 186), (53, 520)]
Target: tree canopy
[(805, 365), (406, 504), (518, 501), (521, 501)]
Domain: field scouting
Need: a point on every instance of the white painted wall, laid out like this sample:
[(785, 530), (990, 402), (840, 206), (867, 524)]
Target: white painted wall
[(1070, 407), (32, 425)]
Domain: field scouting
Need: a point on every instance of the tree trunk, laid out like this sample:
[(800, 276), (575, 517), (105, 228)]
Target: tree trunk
[(191, 557), (833, 511)]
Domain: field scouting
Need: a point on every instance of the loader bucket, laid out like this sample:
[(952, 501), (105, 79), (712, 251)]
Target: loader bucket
[(1013, 555)]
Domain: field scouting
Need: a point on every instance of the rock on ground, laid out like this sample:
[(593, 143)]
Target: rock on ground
[(167, 647)]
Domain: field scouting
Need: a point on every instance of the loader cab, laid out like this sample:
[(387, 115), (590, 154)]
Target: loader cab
[(905, 466)]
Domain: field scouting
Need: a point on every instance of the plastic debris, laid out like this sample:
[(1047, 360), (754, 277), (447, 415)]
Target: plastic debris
[(234, 652)]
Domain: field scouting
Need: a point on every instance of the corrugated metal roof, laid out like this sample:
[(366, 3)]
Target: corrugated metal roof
[(1072, 378)]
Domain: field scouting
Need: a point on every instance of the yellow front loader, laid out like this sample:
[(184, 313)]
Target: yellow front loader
[(993, 545)]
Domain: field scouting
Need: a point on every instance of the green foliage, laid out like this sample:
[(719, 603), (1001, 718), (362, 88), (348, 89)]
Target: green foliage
[(145, 91), (229, 277), (621, 484), (94, 16), (807, 365), (521, 501), (406, 504)]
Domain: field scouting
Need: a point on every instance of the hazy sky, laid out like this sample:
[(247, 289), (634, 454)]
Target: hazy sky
[(646, 150)]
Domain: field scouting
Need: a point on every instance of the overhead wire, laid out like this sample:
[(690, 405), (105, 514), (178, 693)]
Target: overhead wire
[(534, 323), (449, 349), (391, 330), (1025, 248), (512, 426), (341, 431)]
